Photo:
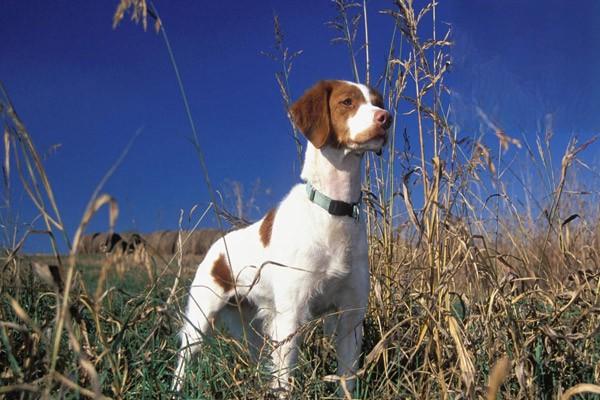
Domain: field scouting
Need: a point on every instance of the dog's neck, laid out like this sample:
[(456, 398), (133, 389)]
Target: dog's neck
[(333, 172)]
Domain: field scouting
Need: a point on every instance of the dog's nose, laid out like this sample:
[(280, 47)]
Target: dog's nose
[(383, 119)]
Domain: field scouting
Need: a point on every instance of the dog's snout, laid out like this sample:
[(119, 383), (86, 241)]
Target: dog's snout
[(383, 119)]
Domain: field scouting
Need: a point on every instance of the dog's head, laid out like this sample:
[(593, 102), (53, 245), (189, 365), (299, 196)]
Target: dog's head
[(342, 114)]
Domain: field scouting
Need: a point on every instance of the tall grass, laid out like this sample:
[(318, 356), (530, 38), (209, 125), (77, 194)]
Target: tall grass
[(484, 285)]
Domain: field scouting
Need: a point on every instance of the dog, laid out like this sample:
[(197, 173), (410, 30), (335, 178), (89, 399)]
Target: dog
[(308, 256)]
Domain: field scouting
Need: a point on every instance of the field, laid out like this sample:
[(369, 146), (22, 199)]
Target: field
[(484, 285)]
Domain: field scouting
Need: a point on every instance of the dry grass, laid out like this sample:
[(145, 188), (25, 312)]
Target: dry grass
[(478, 291)]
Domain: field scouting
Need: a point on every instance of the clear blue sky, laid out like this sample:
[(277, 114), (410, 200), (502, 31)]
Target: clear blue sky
[(77, 82)]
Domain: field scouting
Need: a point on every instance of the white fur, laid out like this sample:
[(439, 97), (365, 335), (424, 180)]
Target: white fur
[(315, 264)]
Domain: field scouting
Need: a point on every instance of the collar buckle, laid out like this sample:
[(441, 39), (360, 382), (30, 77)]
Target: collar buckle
[(356, 211), (311, 192)]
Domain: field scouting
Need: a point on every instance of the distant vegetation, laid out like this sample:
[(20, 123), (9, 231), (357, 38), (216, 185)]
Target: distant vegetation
[(162, 243), (485, 268)]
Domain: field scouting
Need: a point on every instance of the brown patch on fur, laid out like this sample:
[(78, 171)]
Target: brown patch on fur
[(222, 274), (311, 113), (266, 227), (376, 98)]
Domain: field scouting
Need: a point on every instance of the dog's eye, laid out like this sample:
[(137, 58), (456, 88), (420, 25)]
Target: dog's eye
[(347, 102)]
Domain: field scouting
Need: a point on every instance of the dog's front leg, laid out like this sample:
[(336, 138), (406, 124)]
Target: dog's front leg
[(285, 337), (352, 307), (348, 343)]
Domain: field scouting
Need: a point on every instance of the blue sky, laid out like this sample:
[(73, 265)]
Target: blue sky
[(77, 82)]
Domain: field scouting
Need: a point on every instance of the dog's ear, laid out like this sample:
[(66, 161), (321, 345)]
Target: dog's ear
[(311, 113)]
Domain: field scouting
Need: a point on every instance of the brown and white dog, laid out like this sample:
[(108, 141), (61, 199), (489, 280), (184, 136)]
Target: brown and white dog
[(308, 256)]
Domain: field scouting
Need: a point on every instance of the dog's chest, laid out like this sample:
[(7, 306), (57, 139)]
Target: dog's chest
[(335, 247)]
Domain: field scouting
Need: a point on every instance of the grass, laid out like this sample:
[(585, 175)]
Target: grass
[(483, 286)]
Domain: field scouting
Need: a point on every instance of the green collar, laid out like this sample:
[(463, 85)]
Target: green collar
[(333, 207)]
